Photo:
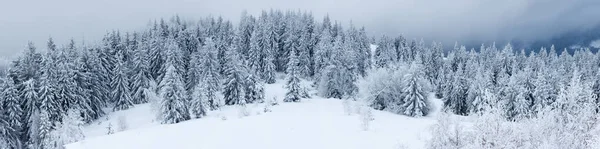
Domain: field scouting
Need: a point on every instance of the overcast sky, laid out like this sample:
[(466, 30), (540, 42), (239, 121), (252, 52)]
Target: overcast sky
[(441, 20)]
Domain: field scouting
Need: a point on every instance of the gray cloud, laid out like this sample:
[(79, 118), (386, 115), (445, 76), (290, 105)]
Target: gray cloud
[(441, 20)]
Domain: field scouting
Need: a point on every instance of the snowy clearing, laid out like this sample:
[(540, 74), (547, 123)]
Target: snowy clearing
[(313, 123)]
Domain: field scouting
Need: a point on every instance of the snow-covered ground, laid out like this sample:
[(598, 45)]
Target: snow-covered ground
[(315, 123)]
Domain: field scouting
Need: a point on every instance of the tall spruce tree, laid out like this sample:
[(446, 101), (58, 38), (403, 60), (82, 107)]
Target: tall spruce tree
[(173, 107), (210, 75), (415, 92), (120, 84), (235, 74), (292, 80), (13, 112)]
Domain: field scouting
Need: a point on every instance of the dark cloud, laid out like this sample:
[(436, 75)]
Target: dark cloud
[(441, 20)]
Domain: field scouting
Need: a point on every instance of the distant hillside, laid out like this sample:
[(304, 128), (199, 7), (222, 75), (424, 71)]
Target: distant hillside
[(570, 40)]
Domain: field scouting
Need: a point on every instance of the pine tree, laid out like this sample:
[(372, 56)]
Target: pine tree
[(269, 73), (45, 129), (95, 83), (322, 52), (31, 117), (198, 102), (13, 112), (210, 75), (141, 74), (49, 105), (384, 53), (256, 49), (234, 88), (121, 93), (33, 132), (173, 105), (415, 95), (255, 92), (157, 59), (293, 81), (455, 99)]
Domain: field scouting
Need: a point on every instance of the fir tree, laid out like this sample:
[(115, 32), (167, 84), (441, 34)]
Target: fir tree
[(234, 88), (121, 93), (292, 80), (198, 102), (47, 93), (141, 76), (30, 97), (173, 105), (13, 112), (255, 92), (415, 95), (210, 75)]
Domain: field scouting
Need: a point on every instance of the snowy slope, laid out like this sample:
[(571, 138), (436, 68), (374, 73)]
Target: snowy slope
[(311, 124)]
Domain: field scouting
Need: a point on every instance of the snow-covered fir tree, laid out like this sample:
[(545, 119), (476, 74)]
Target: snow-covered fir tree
[(173, 106), (292, 80), (254, 89), (415, 90), (121, 91), (234, 86), (209, 77), (13, 114), (141, 71)]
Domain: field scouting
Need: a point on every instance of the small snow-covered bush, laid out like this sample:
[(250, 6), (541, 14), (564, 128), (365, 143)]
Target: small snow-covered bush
[(109, 129), (447, 133), (243, 110), (400, 88), (122, 123), (366, 116), (346, 103)]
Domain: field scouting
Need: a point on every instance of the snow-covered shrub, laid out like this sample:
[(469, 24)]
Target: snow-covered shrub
[(109, 129), (69, 131), (153, 99), (270, 103), (122, 123), (346, 103), (399, 88), (570, 122), (491, 130), (447, 133), (243, 110), (380, 88), (366, 116)]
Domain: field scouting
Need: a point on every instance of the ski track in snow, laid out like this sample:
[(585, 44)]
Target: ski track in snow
[(315, 123)]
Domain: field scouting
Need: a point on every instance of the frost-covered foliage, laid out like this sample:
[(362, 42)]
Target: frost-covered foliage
[(365, 115), (122, 123), (400, 89), (570, 123), (382, 89), (70, 130), (448, 133)]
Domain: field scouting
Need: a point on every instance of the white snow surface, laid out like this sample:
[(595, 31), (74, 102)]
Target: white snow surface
[(315, 123)]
